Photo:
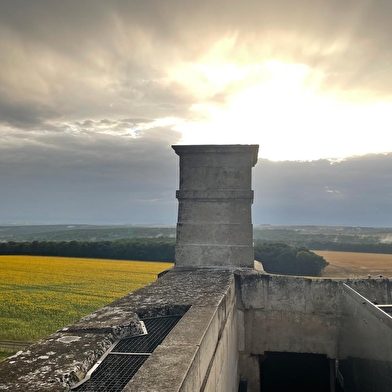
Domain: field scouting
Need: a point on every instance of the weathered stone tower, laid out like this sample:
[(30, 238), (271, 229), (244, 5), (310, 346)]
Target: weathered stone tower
[(214, 215)]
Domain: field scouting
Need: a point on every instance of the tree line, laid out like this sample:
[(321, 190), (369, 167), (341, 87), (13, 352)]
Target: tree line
[(346, 247), (144, 249), (276, 257)]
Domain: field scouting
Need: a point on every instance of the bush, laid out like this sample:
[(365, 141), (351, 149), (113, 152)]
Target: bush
[(278, 258)]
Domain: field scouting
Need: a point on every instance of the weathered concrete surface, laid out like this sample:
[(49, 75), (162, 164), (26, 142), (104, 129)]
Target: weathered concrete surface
[(287, 314), (193, 356), (234, 316), (62, 359), (214, 213), (365, 355), (223, 373), (250, 370), (298, 315), (377, 290)]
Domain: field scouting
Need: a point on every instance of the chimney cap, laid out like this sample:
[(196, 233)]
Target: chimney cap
[(182, 149)]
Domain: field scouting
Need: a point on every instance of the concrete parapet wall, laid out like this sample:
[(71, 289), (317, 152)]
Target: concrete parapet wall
[(200, 354), (288, 314), (365, 355), (293, 314), (378, 290), (223, 373), (304, 315)]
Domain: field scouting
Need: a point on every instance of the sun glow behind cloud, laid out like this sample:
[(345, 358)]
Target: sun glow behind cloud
[(286, 108)]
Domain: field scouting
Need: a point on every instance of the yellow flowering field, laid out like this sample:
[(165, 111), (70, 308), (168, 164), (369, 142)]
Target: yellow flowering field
[(39, 295)]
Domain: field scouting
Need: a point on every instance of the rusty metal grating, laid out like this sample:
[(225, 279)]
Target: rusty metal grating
[(125, 357)]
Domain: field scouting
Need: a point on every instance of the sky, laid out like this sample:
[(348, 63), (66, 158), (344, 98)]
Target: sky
[(93, 94)]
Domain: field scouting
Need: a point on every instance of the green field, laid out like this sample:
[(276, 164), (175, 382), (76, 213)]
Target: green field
[(42, 294)]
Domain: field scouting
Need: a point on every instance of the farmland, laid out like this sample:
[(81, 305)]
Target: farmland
[(352, 264), (42, 294)]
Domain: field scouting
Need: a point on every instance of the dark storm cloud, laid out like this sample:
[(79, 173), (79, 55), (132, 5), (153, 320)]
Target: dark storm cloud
[(91, 178), (24, 115), (101, 181), (356, 191)]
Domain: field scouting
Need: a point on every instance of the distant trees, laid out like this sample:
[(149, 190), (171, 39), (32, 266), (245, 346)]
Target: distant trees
[(349, 247), (279, 258), (276, 257), (149, 249)]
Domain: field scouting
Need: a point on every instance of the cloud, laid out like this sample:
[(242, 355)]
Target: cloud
[(101, 178), (92, 93), (89, 177), (355, 191), (81, 61)]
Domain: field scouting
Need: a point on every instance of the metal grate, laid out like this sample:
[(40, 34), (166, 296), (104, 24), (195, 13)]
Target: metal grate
[(157, 329), (113, 373), (126, 356)]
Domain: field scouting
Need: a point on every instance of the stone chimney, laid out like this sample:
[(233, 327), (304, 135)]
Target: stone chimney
[(214, 213)]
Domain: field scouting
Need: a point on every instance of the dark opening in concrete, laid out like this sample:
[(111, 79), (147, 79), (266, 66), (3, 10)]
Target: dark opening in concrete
[(292, 372)]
